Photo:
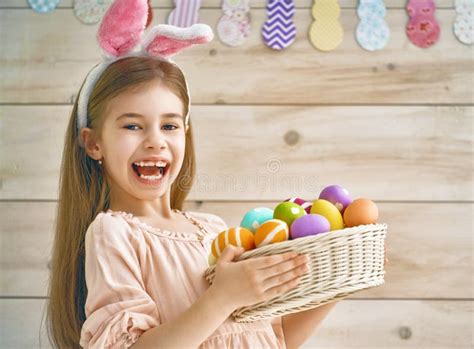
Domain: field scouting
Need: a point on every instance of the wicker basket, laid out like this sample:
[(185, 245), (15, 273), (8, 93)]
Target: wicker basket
[(341, 262)]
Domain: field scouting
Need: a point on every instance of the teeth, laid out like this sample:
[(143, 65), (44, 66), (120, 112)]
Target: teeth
[(152, 178), (150, 163)]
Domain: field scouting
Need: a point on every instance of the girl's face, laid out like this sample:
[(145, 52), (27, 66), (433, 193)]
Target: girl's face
[(142, 131)]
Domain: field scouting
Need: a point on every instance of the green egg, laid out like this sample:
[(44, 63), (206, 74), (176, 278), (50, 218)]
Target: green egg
[(288, 212)]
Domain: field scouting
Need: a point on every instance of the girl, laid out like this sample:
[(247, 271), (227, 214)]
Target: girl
[(143, 262), (127, 265)]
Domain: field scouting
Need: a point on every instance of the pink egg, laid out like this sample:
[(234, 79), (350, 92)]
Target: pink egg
[(303, 203)]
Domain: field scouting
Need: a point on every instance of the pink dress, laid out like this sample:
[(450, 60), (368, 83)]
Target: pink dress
[(139, 277)]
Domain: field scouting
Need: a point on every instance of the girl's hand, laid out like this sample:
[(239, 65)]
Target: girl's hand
[(256, 279), (386, 259)]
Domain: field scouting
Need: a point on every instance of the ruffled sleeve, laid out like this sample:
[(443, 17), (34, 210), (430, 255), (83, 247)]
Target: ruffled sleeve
[(118, 309)]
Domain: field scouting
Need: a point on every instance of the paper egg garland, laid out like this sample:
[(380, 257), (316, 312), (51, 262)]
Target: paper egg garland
[(372, 32)]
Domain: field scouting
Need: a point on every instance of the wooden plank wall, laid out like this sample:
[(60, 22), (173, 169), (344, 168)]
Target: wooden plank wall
[(394, 125)]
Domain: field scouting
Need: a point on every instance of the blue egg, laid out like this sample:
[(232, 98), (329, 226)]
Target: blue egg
[(254, 218)]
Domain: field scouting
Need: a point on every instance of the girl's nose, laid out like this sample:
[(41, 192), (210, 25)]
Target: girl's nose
[(155, 139)]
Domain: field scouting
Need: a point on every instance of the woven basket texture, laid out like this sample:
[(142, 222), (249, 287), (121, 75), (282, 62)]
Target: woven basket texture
[(341, 262)]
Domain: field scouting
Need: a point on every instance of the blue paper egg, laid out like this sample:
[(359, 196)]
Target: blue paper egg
[(254, 218)]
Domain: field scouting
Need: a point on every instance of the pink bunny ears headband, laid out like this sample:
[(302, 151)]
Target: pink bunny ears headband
[(121, 32)]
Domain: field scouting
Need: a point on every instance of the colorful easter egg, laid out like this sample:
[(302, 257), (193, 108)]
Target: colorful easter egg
[(238, 236), (303, 203), (211, 259), (288, 212), (254, 218), (361, 211), (274, 230), (310, 224), (328, 210), (336, 195)]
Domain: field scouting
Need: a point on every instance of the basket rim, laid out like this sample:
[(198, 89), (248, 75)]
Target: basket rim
[(360, 229)]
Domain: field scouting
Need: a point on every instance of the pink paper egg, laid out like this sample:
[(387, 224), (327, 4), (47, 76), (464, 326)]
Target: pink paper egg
[(303, 203)]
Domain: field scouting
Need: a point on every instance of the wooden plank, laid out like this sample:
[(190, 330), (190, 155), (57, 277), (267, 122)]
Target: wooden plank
[(270, 153), (42, 50), (217, 4), (430, 247), (26, 239), (393, 324), (23, 324), (396, 324)]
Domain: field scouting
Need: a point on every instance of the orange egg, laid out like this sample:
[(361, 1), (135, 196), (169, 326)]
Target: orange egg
[(361, 211), (270, 232), (238, 236)]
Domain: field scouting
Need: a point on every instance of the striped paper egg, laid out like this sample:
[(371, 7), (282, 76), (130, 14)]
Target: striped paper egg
[(211, 260), (303, 203), (274, 230), (238, 236)]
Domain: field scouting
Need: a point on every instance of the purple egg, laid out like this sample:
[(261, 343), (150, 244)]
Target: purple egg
[(336, 195), (310, 224)]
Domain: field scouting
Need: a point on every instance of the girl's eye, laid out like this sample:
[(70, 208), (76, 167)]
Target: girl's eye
[(130, 127), (135, 127)]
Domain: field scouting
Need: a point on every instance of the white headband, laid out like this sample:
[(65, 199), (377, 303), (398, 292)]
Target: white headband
[(119, 37)]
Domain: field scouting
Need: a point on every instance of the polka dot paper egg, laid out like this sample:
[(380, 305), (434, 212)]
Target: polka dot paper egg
[(336, 195), (254, 218), (238, 236), (288, 212), (270, 232)]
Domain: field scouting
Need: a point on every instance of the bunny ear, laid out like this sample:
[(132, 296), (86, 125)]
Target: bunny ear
[(150, 15), (122, 26), (166, 40)]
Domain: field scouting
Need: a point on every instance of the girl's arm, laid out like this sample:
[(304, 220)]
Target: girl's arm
[(298, 327), (192, 328), (120, 311)]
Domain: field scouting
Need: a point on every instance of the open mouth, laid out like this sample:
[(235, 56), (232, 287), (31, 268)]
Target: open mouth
[(150, 170)]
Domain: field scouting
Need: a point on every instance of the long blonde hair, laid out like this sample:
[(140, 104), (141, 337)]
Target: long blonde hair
[(84, 192)]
